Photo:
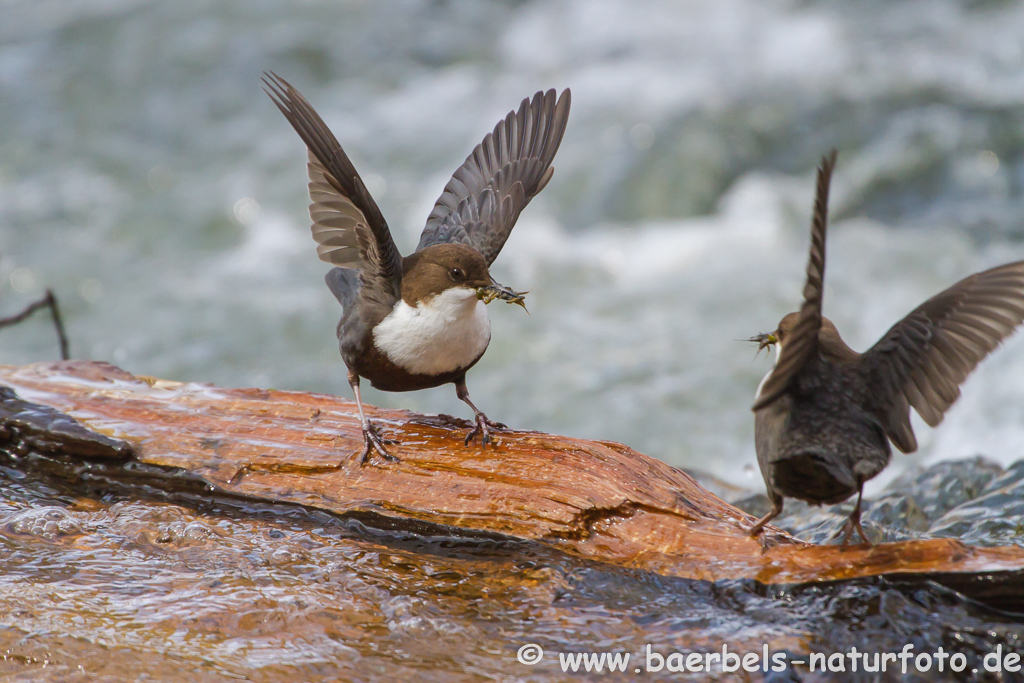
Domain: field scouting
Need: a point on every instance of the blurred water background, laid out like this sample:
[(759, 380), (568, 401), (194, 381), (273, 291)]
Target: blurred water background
[(148, 180)]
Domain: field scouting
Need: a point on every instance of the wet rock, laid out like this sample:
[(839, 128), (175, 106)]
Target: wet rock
[(822, 524), (940, 488), (995, 517), (900, 513), (595, 501), (29, 426), (755, 505)]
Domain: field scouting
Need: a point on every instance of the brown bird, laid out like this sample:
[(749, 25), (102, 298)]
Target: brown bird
[(421, 321), (825, 414)]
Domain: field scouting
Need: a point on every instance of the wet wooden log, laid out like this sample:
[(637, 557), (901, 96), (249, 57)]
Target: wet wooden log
[(595, 500)]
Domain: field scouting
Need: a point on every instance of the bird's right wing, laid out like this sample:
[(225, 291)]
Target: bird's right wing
[(348, 227), (923, 358), (803, 339), (483, 200)]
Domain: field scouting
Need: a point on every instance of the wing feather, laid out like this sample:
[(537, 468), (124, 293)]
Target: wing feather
[(922, 360), (803, 340), (348, 227), (500, 177)]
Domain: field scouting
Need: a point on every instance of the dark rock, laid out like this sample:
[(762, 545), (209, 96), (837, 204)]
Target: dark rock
[(756, 504), (28, 427), (996, 517), (942, 487), (899, 511)]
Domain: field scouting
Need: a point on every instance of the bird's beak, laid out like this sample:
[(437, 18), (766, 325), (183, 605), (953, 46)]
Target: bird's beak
[(764, 340), (489, 293)]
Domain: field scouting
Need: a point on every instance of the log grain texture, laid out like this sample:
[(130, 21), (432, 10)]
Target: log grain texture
[(595, 500)]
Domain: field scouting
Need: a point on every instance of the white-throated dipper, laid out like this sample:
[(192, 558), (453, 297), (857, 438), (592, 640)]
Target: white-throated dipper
[(824, 415), (420, 321)]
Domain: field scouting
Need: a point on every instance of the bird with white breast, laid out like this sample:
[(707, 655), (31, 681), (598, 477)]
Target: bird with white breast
[(421, 321)]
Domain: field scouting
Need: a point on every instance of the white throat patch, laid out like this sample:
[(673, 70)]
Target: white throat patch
[(778, 353), (444, 334)]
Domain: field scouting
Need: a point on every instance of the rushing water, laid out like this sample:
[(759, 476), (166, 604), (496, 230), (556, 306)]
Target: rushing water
[(149, 181), (99, 585)]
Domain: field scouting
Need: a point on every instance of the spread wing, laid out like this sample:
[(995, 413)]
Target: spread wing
[(922, 360), (348, 227), (480, 204), (337, 222), (803, 339)]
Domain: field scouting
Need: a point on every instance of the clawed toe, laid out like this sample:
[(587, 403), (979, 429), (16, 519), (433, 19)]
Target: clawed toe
[(373, 441), (483, 431), (483, 428), (851, 525)]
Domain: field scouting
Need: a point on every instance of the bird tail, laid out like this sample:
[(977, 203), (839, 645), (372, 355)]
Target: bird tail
[(814, 477)]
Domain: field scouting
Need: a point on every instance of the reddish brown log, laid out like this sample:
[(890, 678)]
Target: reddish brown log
[(597, 500)]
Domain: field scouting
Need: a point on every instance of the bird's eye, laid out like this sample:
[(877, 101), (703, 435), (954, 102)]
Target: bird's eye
[(457, 274)]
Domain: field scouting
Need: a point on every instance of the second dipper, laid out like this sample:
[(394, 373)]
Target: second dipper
[(824, 415)]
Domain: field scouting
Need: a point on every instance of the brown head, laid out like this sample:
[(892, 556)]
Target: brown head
[(830, 344), (437, 268)]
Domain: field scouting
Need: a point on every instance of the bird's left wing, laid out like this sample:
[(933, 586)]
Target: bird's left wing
[(923, 358), (483, 200)]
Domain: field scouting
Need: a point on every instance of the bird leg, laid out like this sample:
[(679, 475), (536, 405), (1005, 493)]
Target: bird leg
[(483, 425), (775, 512), (853, 522), (372, 440)]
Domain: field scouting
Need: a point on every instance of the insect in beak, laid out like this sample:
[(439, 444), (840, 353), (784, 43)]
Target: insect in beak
[(489, 293), (764, 340)]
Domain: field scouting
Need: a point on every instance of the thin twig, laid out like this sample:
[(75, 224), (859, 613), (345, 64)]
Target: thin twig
[(47, 301)]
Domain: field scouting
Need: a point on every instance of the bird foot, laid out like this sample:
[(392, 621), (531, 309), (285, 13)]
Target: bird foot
[(852, 524), (373, 441), (483, 428), (757, 529), (769, 541)]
